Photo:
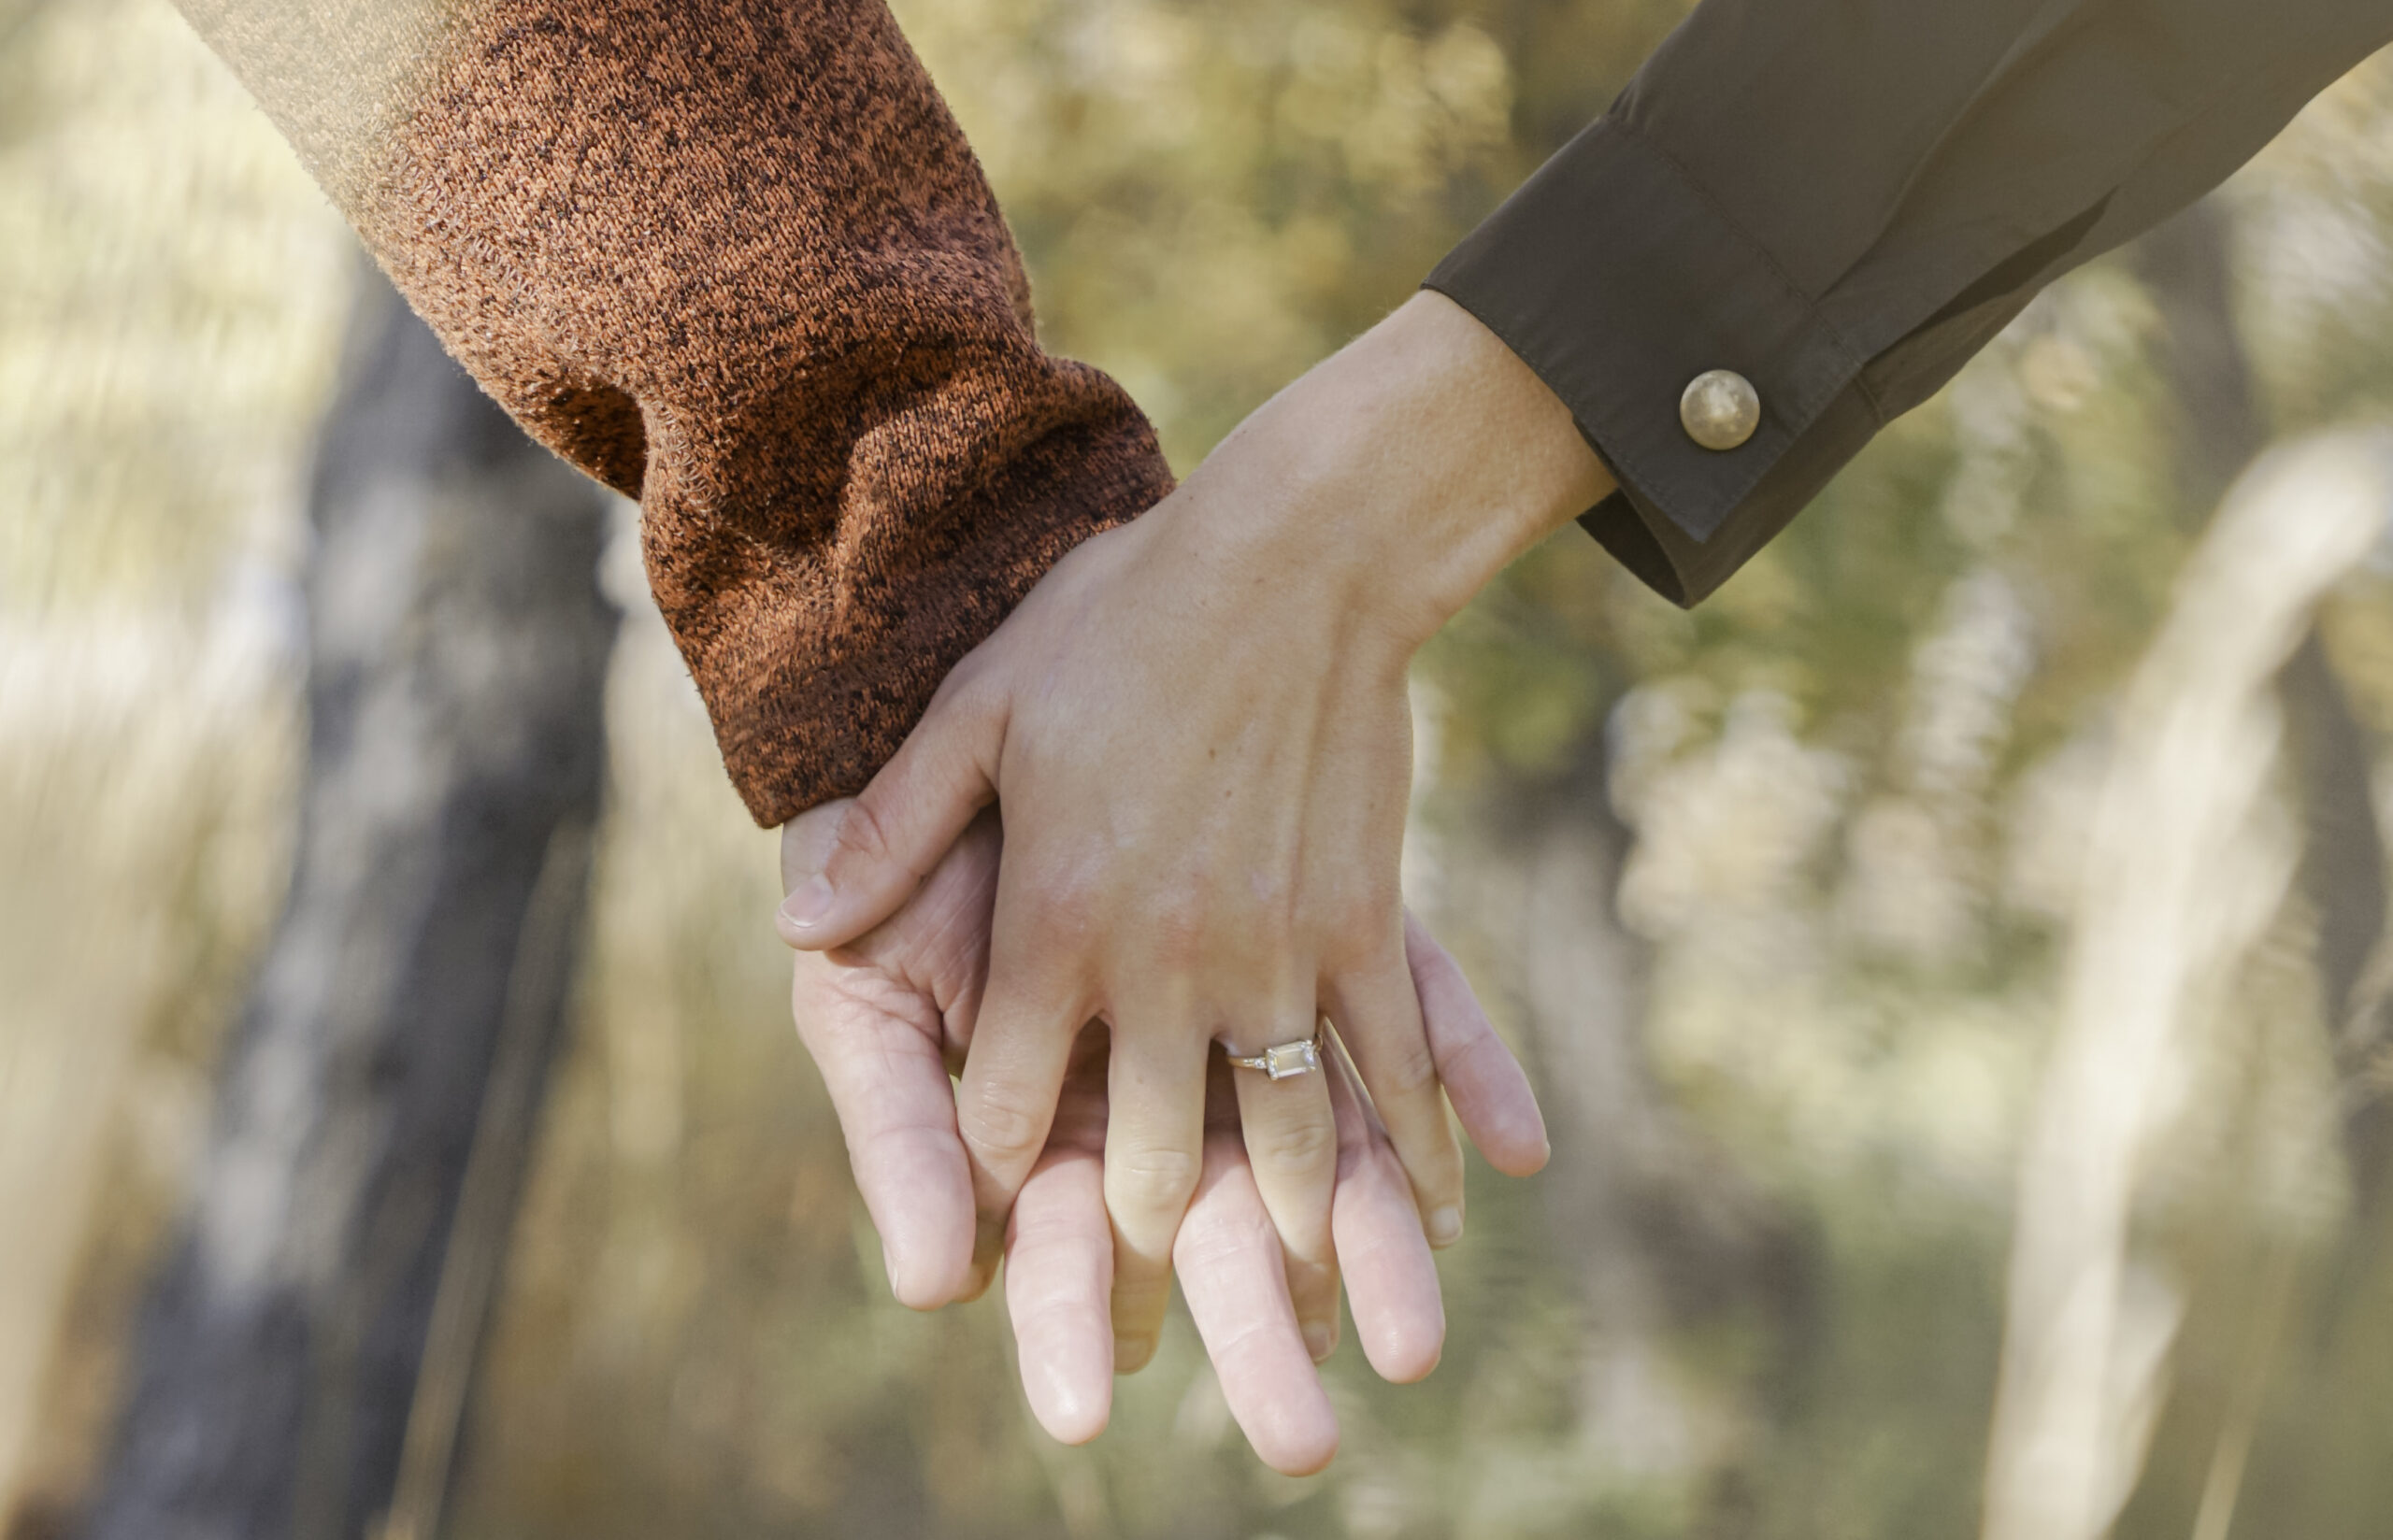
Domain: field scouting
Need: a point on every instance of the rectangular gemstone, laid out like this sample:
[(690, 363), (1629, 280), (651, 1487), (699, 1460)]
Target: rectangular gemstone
[(1290, 1059)]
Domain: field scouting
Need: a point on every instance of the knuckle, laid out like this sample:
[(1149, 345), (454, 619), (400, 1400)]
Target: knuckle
[(1404, 1069), (1067, 910), (890, 1144), (1304, 1143), (1474, 1053), (973, 690), (1177, 929), (861, 833), (961, 683), (1271, 911), (1001, 1121), (1217, 1242), (1152, 1178), (1363, 926)]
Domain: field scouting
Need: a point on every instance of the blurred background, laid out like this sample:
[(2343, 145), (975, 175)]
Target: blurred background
[(1953, 959)]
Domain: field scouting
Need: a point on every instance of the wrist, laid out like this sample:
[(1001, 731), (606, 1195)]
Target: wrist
[(1403, 472)]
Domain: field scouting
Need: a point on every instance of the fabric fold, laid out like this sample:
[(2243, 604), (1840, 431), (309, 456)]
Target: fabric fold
[(735, 258), (1843, 201)]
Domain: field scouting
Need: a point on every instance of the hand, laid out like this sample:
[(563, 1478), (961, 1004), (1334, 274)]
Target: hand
[(885, 1018), (1199, 728), (1059, 1268)]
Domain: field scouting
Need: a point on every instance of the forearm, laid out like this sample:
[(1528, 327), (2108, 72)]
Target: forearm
[(735, 258)]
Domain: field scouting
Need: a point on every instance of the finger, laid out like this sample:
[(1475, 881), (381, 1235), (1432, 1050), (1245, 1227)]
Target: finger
[(1059, 1281), (1390, 1280), (1154, 1140), (807, 839), (1291, 1139), (1004, 1100), (889, 1086), (1490, 1093), (848, 872), (1378, 1018), (1231, 1271)]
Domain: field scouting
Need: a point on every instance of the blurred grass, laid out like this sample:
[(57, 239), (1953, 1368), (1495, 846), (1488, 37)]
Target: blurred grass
[(170, 286), (1856, 781)]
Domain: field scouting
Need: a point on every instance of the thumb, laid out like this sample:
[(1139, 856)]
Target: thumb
[(847, 865)]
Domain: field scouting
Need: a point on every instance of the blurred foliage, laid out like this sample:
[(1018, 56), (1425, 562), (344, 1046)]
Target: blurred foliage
[(171, 294), (1856, 781)]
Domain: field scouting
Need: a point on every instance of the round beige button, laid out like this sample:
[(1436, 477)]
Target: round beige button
[(1719, 409)]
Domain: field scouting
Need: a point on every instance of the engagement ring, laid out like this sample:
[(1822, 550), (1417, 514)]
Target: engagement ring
[(1301, 1057)]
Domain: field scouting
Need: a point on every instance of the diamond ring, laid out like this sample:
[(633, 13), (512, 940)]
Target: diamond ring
[(1283, 1059)]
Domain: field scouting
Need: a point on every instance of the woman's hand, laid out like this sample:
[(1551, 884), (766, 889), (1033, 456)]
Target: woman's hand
[(1199, 728), (884, 1016)]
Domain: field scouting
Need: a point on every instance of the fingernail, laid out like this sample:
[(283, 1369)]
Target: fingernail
[(1319, 1340), (1446, 1226), (808, 904)]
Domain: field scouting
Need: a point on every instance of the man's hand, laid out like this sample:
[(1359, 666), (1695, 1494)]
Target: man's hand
[(887, 1016)]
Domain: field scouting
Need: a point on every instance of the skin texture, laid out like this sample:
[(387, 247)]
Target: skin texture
[(885, 1018), (1198, 726)]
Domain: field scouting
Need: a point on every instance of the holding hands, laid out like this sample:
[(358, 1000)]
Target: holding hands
[(1198, 730), (886, 1019)]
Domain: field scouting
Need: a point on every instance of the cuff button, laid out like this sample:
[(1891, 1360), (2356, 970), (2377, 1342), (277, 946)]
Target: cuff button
[(1719, 409)]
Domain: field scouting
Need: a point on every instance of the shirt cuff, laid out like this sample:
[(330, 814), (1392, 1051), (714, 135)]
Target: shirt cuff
[(1615, 276)]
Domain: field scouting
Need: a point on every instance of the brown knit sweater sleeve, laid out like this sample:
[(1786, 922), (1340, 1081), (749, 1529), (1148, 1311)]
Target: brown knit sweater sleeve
[(733, 257)]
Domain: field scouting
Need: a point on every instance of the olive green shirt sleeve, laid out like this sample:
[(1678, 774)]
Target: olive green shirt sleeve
[(1842, 201)]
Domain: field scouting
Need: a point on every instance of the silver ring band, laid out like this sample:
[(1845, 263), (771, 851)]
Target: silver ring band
[(1284, 1060)]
